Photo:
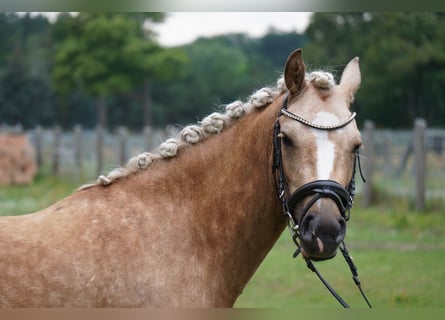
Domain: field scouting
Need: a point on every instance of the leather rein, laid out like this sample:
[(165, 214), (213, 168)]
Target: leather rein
[(343, 197)]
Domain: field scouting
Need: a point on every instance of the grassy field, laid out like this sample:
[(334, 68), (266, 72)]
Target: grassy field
[(400, 264), (400, 255), (45, 190)]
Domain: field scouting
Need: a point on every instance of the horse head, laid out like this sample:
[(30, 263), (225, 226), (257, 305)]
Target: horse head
[(318, 140)]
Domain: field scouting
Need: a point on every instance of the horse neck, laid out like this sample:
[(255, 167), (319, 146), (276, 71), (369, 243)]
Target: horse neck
[(223, 188)]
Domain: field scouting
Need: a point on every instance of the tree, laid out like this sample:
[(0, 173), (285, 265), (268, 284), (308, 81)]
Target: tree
[(163, 65), (26, 96), (102, 53), (24, 99), (401, 56), (405, 68), (275, 46), (219, 70), (215, 74), (8, 30)]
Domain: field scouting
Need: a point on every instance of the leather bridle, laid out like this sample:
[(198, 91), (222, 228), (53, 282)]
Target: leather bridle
[(342, 197)]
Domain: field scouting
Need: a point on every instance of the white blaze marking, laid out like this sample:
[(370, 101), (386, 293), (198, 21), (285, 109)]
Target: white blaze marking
[(325, 148)]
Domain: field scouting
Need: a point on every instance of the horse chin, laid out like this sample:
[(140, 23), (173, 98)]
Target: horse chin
[(317, 256)]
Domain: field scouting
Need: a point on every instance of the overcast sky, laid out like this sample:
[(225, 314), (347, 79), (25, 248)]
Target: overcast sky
[(184, 27)]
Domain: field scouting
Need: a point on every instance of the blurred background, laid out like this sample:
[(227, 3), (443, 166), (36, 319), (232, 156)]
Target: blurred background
[(82, 92)]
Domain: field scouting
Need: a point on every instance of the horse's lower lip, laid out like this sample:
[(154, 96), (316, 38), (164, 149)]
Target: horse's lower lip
[(315, 258), (322, 259)]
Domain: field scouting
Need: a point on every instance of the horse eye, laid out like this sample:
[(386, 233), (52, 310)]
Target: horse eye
[(357, 148), (285, 139)]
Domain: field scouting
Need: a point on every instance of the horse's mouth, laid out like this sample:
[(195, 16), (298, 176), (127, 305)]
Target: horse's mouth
[(315, 258), (317, 254)]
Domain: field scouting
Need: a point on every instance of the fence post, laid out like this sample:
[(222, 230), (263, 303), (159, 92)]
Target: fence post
[(122, 133), (419, 162), (387, 165), (56, 150), (99, 149), (38, 142), (369, 145), (148, 137), (78, 148)]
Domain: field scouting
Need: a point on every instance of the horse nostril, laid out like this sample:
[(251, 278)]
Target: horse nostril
[(325, 228), (307, 228), (342, 230)]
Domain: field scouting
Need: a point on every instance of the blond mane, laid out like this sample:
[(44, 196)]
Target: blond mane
[(210, 125)]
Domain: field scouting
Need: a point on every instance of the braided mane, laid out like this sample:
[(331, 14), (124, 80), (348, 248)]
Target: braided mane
[(210, 125)]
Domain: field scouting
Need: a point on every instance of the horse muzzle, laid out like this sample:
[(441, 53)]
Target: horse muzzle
[(321, 233), (322, 218)]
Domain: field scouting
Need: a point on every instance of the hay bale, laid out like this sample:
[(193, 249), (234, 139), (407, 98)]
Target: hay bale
[(17, 164)]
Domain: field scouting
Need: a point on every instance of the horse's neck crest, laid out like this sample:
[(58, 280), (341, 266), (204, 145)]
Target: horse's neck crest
[(210, 125)]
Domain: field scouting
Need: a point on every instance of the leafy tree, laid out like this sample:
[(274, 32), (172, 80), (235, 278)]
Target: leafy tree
[(213, 75), (8, 27), (275, 46), (401, 56), (25, 57), (24, 99), (220, 70), (406, 68), (102, 53), (164, 65)]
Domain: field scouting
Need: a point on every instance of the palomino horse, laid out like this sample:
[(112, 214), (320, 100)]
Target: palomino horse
[(188, 226)]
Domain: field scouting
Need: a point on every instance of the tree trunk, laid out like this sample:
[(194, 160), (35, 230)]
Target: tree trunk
[(147, 101), (101, 112), (101, 126)]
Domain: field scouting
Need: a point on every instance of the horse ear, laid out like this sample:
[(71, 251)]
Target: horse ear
[(351, 78), (294, 72)]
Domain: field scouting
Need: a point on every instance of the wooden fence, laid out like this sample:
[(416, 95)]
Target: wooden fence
[(91, 152), (409, 163)]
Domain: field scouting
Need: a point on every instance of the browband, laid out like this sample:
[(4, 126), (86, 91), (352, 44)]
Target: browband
[(293, 116)]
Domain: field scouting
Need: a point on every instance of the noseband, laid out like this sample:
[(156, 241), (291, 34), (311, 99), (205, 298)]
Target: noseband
[(342, 197)]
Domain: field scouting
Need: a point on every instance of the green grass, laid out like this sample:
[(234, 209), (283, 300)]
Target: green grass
[(400, 260), (400, 255), (45, 190)]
